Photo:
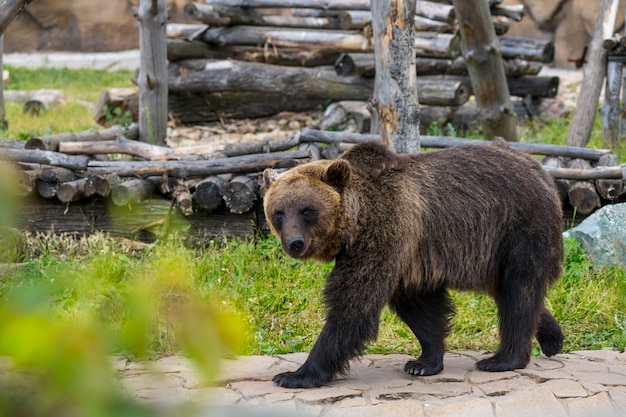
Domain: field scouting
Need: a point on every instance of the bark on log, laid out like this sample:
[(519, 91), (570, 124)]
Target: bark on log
[(152, 78), (611, 109), (443, 92), (538, 86), (435, 11), (208, 193), (216, 15), (26, 180), (70, 191), (304, 4), (185, 31), (313, 135), (527, 48), (240, 194), (237, 164), (49, 179), (77, 162), (481, 51), (132, 191), (101, 185), (364, 64), (180, 49), (52, 142), (609, 189), (395, 98), (582, 194), (593, 74), (9, 10)]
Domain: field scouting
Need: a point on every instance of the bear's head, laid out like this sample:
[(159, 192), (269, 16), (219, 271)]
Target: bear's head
[(304, 208)]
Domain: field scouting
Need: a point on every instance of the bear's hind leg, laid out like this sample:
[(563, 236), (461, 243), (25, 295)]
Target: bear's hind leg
[(549, 334), (427, 315), (519, 299)]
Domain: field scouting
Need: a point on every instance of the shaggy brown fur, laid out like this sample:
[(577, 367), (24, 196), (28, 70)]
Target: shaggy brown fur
[(405, 229)]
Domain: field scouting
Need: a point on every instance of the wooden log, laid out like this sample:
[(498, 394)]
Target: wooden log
[(562, 186), (424, 24), (185, 31), (143, 221), (115, 104), (482, 53), (71, 190), (207, 194), (42, 100), (239, 194), (435, 11), (443, 92), (152, 77), (609, 189), (363, 64), (77, 162), (527, 48), (582, 195), (49, 179), (304, 4), (512, 11), (216, 15), (11, 143), (9, 11), (178, 191), (237, 164), (313, 135), (395, 104), (101, 185), (52, 142), (180, 49), (204, 76), (287, 37), (611, 110), (537, 86), (437, 45), (26, 182), (593, 74), (132, 191)]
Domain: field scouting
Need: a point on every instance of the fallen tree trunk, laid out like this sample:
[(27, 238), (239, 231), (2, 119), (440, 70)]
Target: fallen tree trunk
[(364, 64), (216, 15), (313, 135), (78, 162), (527, 48), (52, 142), (237, 164)]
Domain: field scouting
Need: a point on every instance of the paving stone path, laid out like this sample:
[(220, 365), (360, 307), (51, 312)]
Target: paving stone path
[(586, 383)]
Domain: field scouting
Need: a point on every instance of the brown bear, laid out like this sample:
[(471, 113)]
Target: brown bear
[(403, 229)]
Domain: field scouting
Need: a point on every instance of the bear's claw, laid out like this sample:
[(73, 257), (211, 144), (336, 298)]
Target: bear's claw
[(421, 368)]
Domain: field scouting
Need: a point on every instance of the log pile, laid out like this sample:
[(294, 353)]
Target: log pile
[(243, 60), (105, 180)]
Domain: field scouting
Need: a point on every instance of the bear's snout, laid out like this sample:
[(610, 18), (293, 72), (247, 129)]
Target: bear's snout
[(295, 246)]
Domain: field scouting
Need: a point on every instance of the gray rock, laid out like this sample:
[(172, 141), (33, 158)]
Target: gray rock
[(603, 235)]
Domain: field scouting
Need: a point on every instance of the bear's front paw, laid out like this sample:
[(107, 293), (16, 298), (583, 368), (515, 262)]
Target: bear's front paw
[(422, 368), (296, 380)]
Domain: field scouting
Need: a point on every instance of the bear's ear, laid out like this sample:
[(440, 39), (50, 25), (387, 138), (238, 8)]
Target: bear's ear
[(269, 175), (337, 174)]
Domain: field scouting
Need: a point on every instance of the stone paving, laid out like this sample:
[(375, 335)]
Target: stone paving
[(586, 383)]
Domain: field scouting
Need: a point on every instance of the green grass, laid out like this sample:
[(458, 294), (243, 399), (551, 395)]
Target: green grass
[(80, 87), (278, 299)]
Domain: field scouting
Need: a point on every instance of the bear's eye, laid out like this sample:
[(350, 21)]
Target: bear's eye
[(278, 217), (307, 212)]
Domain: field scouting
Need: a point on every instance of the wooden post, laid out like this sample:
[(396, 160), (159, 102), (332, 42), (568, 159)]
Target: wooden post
[(481, 50), (395, 98), (611, 109), (152, 79), (3, 121), (9, 9), (593, 75)]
